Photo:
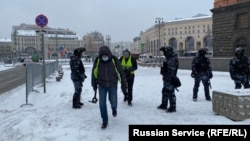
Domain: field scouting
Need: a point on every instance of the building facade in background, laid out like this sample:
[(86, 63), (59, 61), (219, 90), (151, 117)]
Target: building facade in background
[(184, 35), (231, 27), (92, 42), (222, 3), (58, 43), (6, 50)]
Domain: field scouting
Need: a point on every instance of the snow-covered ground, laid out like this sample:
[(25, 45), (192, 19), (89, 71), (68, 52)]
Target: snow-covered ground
[(51, 118), (7, 66)]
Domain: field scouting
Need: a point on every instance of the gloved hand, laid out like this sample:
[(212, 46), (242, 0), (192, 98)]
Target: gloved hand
[(233, 76), (83, 77), (94, 85), (162, 72), (127, 72), (193, 74), (210, 75), (124, 87)]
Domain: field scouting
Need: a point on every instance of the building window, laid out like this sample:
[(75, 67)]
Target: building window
[(241, 21)]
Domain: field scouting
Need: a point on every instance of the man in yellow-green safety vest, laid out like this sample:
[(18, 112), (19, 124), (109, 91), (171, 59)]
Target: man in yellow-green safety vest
[(106, 73), (129, 66)]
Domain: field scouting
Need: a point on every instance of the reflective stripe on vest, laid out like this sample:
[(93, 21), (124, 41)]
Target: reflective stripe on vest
[(96, 69)]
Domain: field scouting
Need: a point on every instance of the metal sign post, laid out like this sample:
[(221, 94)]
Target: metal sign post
[(42, 21)]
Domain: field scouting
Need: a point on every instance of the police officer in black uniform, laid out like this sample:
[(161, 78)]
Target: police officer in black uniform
[(201, 72), (239, 69), (77, 76), (168, 71)]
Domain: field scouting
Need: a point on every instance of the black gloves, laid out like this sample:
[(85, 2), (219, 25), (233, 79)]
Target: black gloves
[(94, 85), (162, 71), (124, 87), (210, 75), (127, 72), (83, 77), (232, 76), (193, 74)]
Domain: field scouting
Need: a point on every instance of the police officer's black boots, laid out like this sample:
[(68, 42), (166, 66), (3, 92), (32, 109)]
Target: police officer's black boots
[(164, 102), (207, 95), (171, 109), (195, 93), (76, 102)]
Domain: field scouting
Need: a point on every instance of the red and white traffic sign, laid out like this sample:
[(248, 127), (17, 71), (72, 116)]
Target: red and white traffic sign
[(41, 20)]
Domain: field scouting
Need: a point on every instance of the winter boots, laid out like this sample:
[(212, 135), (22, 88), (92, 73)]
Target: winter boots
[(171, 110), (81, 104), (168, 110), (104, 125), (114, 113), (130, 103), (76, 105), (76, 102), (162, 107), (206, 90), (125, 98)]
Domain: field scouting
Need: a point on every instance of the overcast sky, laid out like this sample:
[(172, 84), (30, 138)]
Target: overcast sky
[(121, 19)]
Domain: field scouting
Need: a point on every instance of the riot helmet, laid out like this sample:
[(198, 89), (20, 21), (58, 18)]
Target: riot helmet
[(82, 49), (167, 50), (78, 51), (202, 51), (239, 52)]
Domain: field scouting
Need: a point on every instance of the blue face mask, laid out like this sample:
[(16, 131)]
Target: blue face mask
[(105, 58)]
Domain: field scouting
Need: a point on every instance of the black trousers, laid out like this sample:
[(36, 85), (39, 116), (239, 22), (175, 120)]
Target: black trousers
[(129, 94), (78, 91)]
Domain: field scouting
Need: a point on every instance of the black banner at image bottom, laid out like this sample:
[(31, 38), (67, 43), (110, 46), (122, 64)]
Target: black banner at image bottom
[(201, 132)]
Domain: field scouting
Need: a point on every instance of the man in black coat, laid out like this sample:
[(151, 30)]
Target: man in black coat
[(239, 69), (168, 72), (77, 76), (201, 72)]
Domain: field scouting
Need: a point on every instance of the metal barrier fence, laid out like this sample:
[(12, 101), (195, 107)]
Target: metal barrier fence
[(34, 75)]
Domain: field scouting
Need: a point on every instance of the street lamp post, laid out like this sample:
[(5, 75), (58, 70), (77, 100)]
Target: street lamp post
[(159, 21)]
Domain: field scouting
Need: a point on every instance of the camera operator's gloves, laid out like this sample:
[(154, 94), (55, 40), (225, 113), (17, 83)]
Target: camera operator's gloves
[(94, 85), (210, 75), (193, 74)]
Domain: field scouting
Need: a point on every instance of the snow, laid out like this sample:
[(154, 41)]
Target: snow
[(7, 66), (51, 118)]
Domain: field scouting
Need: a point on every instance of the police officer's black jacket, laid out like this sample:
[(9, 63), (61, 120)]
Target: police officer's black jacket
[(77, 68), (170, 66)]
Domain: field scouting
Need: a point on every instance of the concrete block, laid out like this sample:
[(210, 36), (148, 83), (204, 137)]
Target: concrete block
[(233, 105)]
